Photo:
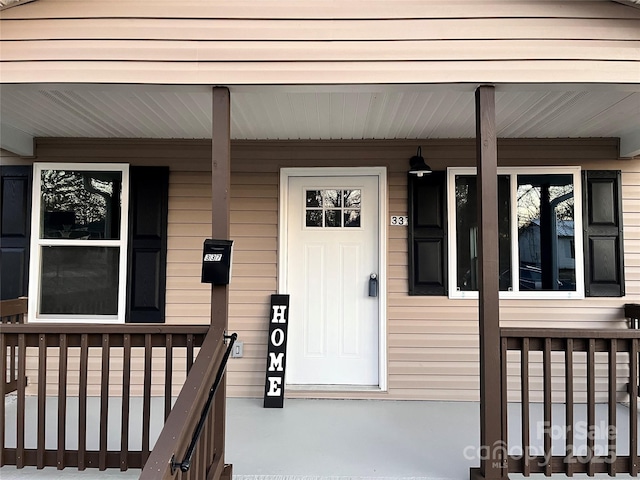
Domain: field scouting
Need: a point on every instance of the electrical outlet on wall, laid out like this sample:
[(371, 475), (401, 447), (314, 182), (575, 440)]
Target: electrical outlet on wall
[(238, 350)]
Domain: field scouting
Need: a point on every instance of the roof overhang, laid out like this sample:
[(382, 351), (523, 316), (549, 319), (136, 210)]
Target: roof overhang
[(631, 3), (333, 112), (12, 3)]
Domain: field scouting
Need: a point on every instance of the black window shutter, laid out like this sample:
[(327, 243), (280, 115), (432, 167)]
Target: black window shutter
[(427, 234), (15, 226), (147, 271), (603, 243)]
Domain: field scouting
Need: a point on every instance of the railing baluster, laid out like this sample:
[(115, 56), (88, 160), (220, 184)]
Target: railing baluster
[(220, 411), (546, 365), (168, 375), (146, 407), (189, 352), (217, 449), (126, 393), (505, 405), (3, 392), (14, 360), (633, 408), (568, 378), (206, 441), (524, 377), (82, 402), (62, 401), (42, 399), (22, 385), (591, 406), (104, 403), (13, 371), (611, 432), (200, 459)]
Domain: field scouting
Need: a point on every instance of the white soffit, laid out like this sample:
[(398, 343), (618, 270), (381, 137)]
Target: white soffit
[(631, 3), (135, 111), (4, 4)]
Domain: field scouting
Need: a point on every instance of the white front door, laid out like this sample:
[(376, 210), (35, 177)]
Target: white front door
[(333, 249)]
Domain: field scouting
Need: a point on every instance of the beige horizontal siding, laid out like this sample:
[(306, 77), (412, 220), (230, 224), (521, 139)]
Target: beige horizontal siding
[(259, 51), (270, 30), (316, 42), (432, 341), (316, 9)]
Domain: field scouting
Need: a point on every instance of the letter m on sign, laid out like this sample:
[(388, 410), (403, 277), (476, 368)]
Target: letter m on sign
[(276, 352)]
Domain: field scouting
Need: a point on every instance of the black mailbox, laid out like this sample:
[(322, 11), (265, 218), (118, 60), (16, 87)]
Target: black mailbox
[(216, 261)]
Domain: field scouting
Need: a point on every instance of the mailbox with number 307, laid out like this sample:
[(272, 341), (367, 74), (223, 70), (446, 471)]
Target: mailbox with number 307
[(216, 261)]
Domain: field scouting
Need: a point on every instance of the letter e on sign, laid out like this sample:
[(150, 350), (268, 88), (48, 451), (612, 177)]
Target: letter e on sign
[(274, 389), (276, 352)]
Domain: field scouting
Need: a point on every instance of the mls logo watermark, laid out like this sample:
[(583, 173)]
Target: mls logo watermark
[(590, 444)]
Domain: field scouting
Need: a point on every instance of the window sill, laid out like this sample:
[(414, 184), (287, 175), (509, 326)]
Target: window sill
[(93, 319), (523, 295)]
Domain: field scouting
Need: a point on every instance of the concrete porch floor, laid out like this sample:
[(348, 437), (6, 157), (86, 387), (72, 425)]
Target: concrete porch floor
[(356, 439)]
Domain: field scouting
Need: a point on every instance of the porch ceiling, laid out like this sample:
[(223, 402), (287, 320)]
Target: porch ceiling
[(338, 112)]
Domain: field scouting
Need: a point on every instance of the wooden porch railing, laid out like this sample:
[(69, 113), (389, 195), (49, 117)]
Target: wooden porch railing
[(583, 361), (12, 312), (200, 406), (61, 357)]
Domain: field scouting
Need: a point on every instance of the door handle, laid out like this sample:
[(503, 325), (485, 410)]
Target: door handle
[(373, 285)]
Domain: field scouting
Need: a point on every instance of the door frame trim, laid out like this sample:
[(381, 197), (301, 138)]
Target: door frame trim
[(283, 242)]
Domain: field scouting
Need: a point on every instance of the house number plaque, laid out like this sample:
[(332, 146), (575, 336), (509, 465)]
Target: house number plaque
[(399, 220)]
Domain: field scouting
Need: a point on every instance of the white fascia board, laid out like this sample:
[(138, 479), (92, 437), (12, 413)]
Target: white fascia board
[(16, 141), (630, 145)]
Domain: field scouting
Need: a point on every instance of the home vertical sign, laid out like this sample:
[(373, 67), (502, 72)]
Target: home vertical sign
[(276, 351)]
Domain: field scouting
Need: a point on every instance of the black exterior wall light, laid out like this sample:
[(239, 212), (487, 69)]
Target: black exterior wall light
[(418, 165)]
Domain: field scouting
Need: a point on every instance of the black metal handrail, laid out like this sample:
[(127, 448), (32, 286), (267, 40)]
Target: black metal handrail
[(185, 464)]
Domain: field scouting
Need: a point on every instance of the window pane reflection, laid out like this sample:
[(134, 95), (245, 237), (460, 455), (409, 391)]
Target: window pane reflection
[(314, 198), (79, 280), (352, 198), (331, 208), (332, 218), (546, 232), (332, 198), (80, 204), (314, 218), (352, 218), (467, 232)]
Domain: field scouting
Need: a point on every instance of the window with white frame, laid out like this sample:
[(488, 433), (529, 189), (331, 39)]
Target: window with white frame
[(78, 242), (539, 233)]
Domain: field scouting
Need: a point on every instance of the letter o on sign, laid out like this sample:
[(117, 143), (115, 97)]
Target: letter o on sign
[(277, 337)]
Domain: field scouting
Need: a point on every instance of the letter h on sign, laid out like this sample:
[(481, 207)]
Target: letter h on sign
[(276, 352)]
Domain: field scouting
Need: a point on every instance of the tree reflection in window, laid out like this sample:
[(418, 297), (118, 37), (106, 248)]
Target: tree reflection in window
[(545, 242), (333, 208), (80, 204), (80, 244)]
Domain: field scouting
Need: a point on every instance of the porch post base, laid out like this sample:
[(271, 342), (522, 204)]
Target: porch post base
[(476, 474), (227, 473)]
